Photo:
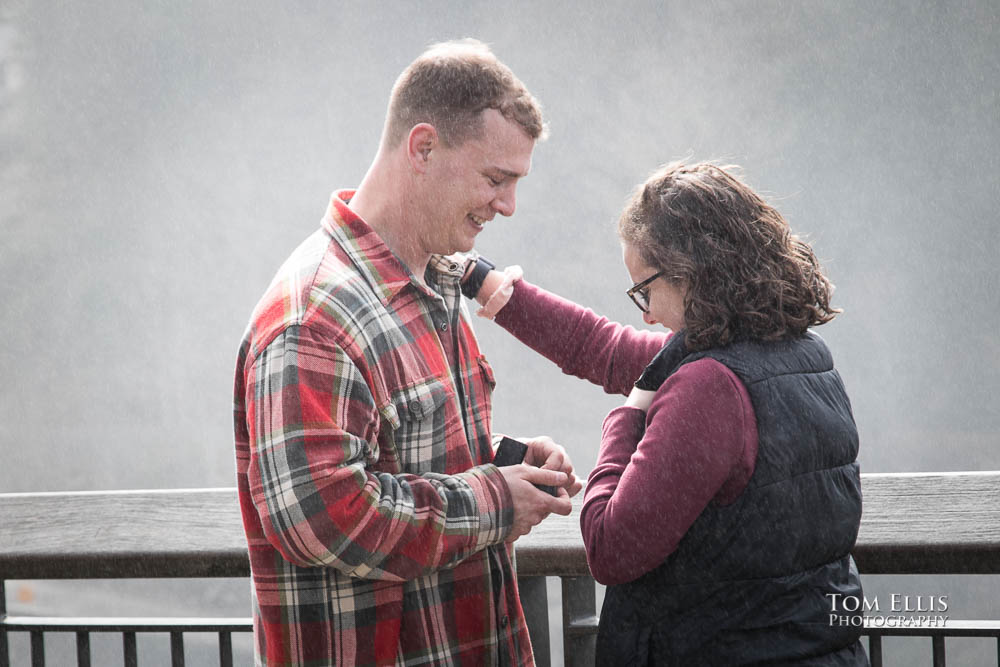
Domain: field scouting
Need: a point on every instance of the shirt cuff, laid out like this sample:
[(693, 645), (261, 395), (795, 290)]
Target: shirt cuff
[(493, 502), (453, 265)]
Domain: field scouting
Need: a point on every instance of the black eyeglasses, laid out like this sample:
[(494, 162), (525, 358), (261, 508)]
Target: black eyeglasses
[(639, 293)]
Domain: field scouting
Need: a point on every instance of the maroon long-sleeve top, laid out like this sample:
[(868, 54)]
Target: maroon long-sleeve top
[(656, 471)]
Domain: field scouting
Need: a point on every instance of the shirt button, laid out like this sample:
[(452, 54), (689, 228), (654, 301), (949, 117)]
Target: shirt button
[(415, 409), (504, 621), (443, 326)]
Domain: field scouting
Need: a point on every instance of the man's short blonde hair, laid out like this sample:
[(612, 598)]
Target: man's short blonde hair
[(450, 85)]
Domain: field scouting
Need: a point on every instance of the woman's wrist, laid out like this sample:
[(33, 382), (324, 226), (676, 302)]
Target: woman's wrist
[(491, 283), (497, 288)]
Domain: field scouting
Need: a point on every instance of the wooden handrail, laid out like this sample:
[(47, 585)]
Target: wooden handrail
[(945, 523), (122, 534), (930, 523)]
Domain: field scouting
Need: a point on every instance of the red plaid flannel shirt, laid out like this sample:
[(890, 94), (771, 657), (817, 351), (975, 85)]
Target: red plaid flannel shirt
[(374, 519)]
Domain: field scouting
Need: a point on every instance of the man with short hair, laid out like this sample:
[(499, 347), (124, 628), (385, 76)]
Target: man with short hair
[(379, 531)]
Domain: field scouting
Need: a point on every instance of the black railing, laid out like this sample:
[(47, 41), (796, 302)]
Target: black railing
[(128, 628), (946, 523)]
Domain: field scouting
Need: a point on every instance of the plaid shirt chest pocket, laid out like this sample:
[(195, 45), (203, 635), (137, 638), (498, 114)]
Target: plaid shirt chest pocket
[(422, 430)]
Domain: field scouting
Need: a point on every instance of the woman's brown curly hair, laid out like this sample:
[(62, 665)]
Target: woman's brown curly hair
[(747, 276)]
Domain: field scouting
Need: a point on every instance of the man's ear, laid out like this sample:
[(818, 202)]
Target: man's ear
[(420, 144)]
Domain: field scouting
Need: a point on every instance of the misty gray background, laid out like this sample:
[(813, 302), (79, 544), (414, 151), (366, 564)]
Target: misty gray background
[(158, 161)]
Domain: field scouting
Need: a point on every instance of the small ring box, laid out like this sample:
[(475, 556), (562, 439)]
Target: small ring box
[(510, 452)]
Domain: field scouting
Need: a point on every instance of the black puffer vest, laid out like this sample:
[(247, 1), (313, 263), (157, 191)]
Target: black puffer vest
[(753, 582)]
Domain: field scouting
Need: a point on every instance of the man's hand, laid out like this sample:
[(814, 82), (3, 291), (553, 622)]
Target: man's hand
[(545, 453), (530, 504)]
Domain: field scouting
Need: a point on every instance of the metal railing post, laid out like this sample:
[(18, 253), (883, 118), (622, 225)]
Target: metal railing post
[(535, 602), (875, 650), (937, 643), (4, 650), (37, 648), (579, 604), (225, 649), (177, 649), (130, 655), (83, 649)]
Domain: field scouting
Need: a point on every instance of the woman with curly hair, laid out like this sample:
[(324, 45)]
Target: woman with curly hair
[(726, 496)]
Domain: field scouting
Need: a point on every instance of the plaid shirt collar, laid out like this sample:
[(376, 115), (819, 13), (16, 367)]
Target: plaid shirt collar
[(383, 270)]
